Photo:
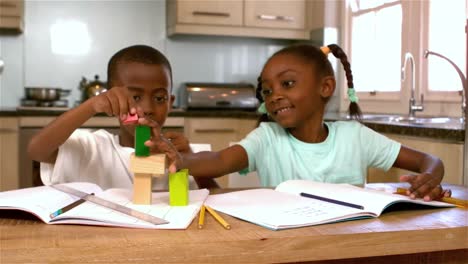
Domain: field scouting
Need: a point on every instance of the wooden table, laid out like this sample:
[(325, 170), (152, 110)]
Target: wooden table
[(399, 236)]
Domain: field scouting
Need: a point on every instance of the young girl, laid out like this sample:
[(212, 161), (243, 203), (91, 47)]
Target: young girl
[(295, 85)]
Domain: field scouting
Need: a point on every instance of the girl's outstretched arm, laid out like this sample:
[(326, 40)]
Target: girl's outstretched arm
[(215, 164), (426, 184), (201, 164)]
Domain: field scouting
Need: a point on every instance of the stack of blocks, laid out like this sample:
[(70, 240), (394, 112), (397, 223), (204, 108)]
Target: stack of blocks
[(145, 166)]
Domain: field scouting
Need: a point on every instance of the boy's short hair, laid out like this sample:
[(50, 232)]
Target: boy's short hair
[(137, 53)]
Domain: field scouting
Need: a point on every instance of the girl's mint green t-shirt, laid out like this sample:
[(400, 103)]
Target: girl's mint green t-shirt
[(344, 157)]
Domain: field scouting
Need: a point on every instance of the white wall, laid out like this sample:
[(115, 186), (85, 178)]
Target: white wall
[(40, 57)]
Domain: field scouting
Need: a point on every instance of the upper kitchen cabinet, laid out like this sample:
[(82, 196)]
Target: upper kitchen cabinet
[(276, 19), (11, 15), (275, 14)]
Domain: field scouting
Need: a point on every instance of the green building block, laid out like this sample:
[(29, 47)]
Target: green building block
[(142, 134), (179, 188)]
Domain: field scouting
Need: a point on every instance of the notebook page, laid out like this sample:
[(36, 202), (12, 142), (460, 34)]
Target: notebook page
[(372, 200), (179, 217), (277, 210), (43, 200)]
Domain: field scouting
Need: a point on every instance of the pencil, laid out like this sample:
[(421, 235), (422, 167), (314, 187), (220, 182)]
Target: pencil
[(201, 218), (218, 217), (308, 195), (68, 207), (458, 202)]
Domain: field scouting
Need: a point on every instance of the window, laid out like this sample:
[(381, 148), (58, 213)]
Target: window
[(446, 35), (376, 45), (378, 33)]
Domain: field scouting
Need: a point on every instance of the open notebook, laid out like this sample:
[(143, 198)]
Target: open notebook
[(284, 207), (44, 200)]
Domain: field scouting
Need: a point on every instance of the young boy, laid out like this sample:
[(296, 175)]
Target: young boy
[(140, 78)]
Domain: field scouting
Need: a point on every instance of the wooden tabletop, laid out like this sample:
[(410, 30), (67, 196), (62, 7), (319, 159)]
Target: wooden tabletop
[(398, 236)]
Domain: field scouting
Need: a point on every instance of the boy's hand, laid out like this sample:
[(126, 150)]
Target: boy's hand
[(425, 186), (159, 144), (114, 102)]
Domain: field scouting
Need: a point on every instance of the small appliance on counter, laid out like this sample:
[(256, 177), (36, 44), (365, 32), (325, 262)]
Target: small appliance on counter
[(44, 97), (225, 96), (91, 88)]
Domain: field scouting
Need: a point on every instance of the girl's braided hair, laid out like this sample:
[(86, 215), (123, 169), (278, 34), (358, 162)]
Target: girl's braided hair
[(323, 67)]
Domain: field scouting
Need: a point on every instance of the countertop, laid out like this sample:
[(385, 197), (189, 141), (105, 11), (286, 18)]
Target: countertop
[(453, 132)]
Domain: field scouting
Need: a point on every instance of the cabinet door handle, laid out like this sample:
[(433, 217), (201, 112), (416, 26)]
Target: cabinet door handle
[(205, 13), (3, 4), (215, 130), (8, 130), (276, 18)]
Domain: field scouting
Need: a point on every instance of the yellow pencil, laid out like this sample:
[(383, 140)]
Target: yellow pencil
[(458, 202), (201, 218), (218, 217)]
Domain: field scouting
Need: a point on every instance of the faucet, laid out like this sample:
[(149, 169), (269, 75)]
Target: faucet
[(462, 78), (413, 107)]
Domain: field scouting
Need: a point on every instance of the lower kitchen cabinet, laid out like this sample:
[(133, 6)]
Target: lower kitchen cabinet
[(9, 153), (219, 132), (451, 154)]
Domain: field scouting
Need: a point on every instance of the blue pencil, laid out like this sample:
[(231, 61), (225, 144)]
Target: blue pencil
[(68, 207), (308, 195)]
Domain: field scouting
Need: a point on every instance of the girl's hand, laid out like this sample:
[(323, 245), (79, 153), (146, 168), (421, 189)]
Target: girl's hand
[(114, 102), (159, 144), (425, 186), (179, 141)]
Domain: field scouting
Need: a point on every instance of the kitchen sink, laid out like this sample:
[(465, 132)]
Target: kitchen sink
[(418, 121)]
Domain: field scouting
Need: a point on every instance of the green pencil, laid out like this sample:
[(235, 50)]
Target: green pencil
[(68, 207)]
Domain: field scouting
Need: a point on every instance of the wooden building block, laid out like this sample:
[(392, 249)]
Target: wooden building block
[(155, 164), (142, 134), (179, 188), (142, 185)]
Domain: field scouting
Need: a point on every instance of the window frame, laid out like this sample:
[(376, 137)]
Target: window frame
[(414, 19)]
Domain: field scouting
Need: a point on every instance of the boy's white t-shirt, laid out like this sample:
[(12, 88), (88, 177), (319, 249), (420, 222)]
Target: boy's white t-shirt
[(344, 157), (96, 157)]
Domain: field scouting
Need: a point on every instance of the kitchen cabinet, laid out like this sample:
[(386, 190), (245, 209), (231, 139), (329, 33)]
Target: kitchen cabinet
[(11, 15), (275, 14), (451, 154), (227, 13), (219, 132), (9, 153), (278, 19)]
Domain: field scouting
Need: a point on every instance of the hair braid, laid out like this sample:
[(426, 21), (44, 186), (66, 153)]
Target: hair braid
[(354, 110)]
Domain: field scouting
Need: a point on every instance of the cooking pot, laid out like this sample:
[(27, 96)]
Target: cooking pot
[(92, 88), (45, 93)]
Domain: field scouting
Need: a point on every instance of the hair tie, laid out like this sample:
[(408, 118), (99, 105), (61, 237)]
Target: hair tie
[(326, 50), (262, 109), (352, 95)]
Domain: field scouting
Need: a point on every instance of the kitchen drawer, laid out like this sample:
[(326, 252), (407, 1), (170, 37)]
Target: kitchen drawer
[(11, 8), (275, 14), (210, 12)]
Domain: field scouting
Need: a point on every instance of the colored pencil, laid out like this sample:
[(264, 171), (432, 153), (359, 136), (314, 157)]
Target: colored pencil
[(218, 217), (201, 219), (458, 202), (68, 207), (308, 195)]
